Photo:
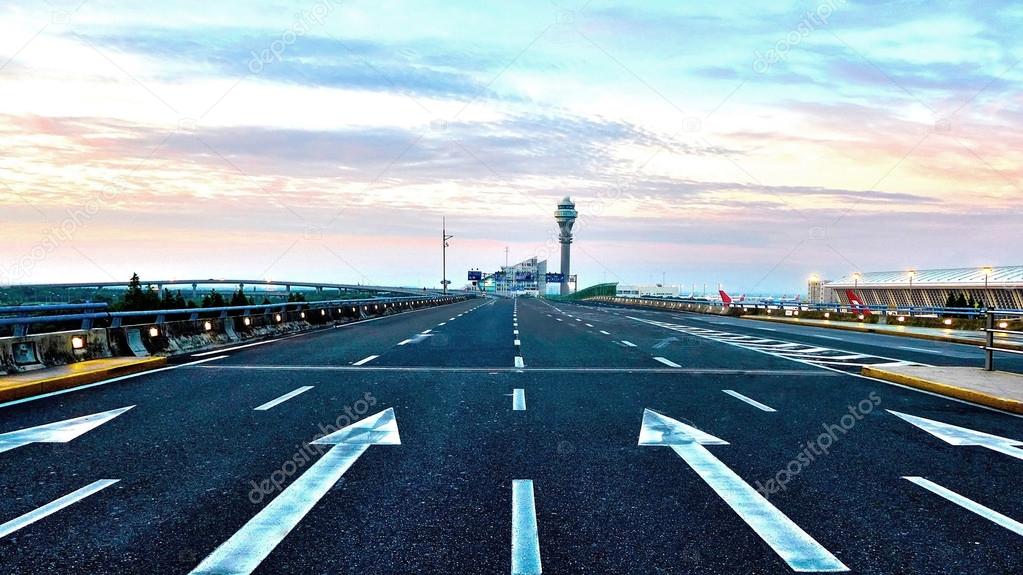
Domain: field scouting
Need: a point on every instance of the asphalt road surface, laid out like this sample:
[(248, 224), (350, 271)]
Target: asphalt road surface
[(504, 436)]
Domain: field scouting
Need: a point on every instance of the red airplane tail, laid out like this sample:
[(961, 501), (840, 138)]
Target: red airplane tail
[(856, 303), (725, 299)]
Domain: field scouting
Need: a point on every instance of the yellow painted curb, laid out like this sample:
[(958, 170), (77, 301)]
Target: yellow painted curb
[(945, 389), (67, 381)]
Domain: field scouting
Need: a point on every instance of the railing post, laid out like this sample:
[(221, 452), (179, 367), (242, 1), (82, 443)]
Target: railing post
[(989, 343)]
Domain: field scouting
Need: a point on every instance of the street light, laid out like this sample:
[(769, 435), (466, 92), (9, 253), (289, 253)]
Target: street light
[(988, 270), (911, 274), (445, 237)]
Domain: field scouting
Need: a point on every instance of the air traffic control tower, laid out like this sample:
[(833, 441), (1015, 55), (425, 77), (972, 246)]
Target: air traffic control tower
[(566, 216)]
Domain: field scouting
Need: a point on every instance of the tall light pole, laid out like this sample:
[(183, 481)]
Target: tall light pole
[(444, 241), (988, 270), (912, 303)]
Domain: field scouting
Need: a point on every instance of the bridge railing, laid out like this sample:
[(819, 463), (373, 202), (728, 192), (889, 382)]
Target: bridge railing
[(21, 323), (993, 328)]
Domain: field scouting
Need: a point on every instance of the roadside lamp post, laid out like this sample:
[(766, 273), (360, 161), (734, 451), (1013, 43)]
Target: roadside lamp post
[(445, 237), (911, 274), (988, 270)]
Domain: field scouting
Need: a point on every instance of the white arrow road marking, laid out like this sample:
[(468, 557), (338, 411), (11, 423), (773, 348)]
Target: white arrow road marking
[(518, 400), (667, 362), (54, 506), (58, 431), (789, 541), (955, 435), (251, 544), (969, 504), (748, 400), (366, 360), (525, 558), (271, 404)]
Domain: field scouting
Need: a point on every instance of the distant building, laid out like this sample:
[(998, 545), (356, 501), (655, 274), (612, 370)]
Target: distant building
[(819, 291), (999, 287), (527, 276)]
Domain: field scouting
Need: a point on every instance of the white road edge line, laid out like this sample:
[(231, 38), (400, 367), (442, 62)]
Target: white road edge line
[(106, 381), (54, 506), (750, 401), (525, 554), (667, 362), (921, 350), (518, 400), (366, 360), (273, 403), (969, 504)]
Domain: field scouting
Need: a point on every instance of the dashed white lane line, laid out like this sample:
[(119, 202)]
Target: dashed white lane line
[(519, 362), (525, 555), (518, 343), (589, 325), (366, 360), (518, 400), (515, 332), (405, 342), (452, 318), (270, 404), (604, 332), (628, 343), (577, 319), (748, 400), (54, 506), (426, 332), (442, 323), (969, 504), (558, 319), (667, 362), (921, 350)]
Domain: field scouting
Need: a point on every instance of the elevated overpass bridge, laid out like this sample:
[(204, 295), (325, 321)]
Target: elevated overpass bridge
[(195, 284)]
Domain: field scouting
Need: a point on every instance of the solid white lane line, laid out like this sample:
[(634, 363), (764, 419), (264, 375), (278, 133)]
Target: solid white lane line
[(525, 558), (283, 398), (628, 343), (54, 506), (106, 381), (604, 332), (921, 350), (518, 400), (969, 504), (667, 362), (748, 400), (216, 351), (405, 341), (519, 362), (825, 337), (366, 360)]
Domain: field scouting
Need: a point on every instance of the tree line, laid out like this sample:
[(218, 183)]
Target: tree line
[(144, 298)]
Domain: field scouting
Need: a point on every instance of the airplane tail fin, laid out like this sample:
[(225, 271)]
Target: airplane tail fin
[(725, 299), (856, 303)]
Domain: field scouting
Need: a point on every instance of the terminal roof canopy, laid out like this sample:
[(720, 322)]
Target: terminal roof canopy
[(1004, 276)]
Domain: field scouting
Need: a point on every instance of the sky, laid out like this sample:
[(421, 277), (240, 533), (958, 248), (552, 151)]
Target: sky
[(743, 144)]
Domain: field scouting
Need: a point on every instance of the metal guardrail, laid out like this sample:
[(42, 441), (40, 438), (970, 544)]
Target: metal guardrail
[(910, 311), (21, 309), (118, 318), (989, 346)]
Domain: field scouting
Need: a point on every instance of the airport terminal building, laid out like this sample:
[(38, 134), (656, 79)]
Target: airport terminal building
[(997, 287)]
